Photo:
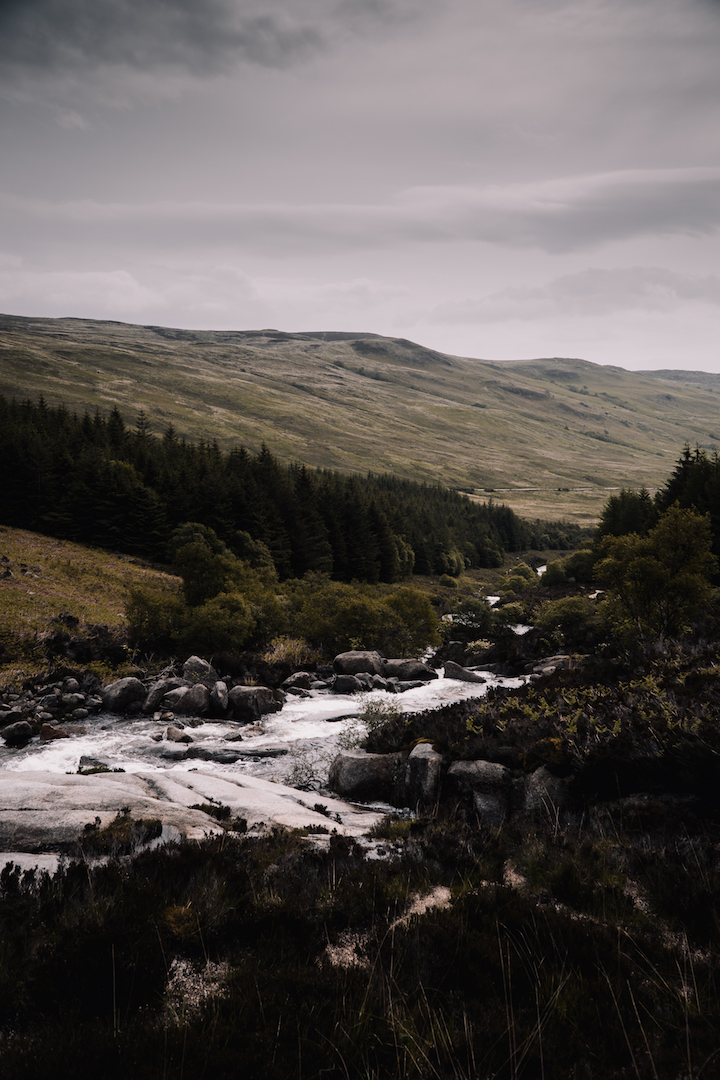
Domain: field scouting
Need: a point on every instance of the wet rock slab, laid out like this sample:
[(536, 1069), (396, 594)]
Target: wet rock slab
[(45, 812)]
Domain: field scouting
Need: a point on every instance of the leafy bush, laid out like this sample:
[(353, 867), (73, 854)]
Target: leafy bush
[(563, 614), (418, 625), (471, 618), (223, 624), (336, 617), (296, 652), (510, 614), (448, 582), (555, 573), (657, 584), (155, 618)]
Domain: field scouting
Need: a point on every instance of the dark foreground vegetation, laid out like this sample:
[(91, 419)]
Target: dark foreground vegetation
[(576, 947)]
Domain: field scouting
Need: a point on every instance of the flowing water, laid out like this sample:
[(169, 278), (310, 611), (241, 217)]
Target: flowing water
[(293, 745)]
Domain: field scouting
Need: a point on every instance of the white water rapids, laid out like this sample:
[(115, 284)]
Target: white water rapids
[(306, 733)]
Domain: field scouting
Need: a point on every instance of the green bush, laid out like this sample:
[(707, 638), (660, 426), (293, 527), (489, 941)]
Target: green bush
[(223, 624), (510, 614), (563, 614), (472, 618), (448, 582), (155, 619), (659, 583), (418, 621), (555, 573), (335, 616)]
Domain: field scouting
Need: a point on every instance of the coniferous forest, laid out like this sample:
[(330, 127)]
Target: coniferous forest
[(97, 480)]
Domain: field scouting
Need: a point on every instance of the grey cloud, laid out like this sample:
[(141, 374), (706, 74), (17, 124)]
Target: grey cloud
[(572, 214), (558, 217), (198, 36), (588, 293), (201, 37)]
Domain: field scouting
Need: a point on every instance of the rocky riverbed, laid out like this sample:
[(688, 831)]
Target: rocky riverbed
[(177, 746)]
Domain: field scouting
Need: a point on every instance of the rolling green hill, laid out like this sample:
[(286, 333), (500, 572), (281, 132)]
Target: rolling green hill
[(524, 431)]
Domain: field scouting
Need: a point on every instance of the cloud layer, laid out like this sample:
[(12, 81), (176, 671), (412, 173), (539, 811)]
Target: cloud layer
[(492, 176)]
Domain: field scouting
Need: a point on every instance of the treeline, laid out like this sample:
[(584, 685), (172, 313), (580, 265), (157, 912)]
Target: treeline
[(96, 480), (694, 484)]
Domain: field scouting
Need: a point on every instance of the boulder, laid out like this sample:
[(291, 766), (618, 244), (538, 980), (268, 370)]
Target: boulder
[(486, 785), (462, 674), (398, 687), (548, 665), (48, 732), (348, 684), (188, 700), (157, 692), (72, 701), (300, 680), (408, 670), (546, 793), (364, 777), (17, 735), (197, 670), (197, 700), (220, 755), (350, 663), (175, 734), (219, 699), (422, 775), (120, 695), (248, 703)]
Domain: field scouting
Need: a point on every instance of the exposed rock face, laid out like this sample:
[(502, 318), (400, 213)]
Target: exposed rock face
[(188, 700), (356, 775), (358, 660), (546, 793), (49, 811), (157, 692), (423, 773), (120, 695), (487, 783), (408, 670), (462, 674), (196, 670), (248, 703), (348, 684), (18, 734)]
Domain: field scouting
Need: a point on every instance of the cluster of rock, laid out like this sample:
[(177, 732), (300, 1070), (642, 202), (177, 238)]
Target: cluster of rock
[(38, 710), (421, 778), (53, 710)]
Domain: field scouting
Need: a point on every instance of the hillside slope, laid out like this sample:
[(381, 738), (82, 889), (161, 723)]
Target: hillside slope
[(359, 401)]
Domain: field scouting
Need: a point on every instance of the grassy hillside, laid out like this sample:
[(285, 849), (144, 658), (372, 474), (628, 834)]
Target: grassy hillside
[(40, 578), (524, 430)]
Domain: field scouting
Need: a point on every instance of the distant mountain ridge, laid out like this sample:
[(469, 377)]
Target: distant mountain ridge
[(363, 402)]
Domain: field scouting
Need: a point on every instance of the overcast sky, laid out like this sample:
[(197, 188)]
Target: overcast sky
[(494, 178)]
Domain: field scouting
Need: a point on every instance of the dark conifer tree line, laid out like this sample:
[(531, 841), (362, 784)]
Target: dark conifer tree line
[(97, 480), (694, 484)]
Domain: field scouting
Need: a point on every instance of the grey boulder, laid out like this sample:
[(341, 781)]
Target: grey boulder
[(486, 785), (408, 670), (462, 674), (119, 696), (358, 660), (363, 777)]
